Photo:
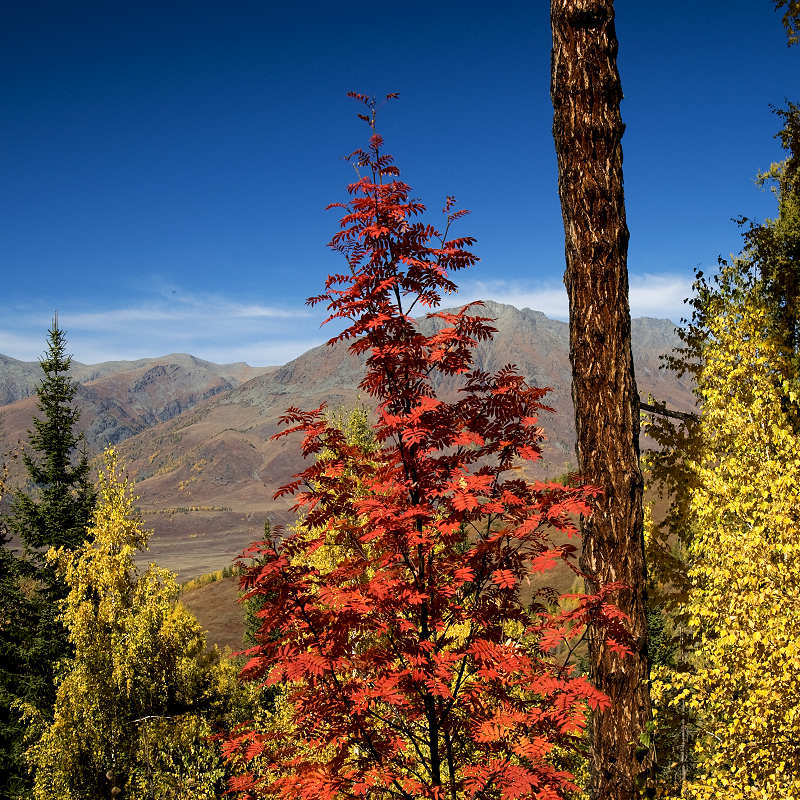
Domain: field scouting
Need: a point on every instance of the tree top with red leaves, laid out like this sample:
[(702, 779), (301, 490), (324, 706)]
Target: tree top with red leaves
[(415, 658)]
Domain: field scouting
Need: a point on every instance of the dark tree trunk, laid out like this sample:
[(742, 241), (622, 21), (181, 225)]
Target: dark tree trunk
[(587, 129)]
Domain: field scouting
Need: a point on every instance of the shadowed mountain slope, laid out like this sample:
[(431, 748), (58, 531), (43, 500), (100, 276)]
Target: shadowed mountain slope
[(119, 399), (19, 379)]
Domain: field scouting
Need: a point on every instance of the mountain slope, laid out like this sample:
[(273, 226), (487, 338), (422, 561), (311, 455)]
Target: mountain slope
[(220, 455), (119, 399), (19, 379), (198, 440)]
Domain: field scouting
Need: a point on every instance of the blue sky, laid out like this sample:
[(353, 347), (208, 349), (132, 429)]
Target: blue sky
[(165, 168)]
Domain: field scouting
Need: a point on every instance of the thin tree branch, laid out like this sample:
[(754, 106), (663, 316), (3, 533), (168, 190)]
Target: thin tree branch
[(684, 416)]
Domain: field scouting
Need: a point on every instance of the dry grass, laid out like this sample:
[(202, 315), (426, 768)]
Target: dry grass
[(215, 604)]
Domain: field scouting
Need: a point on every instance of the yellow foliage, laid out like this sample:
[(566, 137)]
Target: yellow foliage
[(209, 577), (743, 687), (141, 694)]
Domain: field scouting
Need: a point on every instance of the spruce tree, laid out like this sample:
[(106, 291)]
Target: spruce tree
[(12, 614), (55, 513), (59, 512)]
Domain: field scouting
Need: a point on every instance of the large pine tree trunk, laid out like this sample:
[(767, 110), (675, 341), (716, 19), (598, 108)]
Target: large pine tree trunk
[(587, 129)]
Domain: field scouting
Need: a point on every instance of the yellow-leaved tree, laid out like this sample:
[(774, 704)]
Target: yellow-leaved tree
[(736, 517), (139, 699), (744, 605)]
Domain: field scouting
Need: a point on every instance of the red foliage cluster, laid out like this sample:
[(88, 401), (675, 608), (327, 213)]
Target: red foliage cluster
[(412, 665)]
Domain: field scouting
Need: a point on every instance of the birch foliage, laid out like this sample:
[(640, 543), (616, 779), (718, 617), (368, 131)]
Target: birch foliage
[(736, 514), (138, 700), (744, 606)]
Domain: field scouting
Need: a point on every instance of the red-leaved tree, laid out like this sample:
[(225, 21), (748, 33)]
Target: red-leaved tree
[(417, 663)]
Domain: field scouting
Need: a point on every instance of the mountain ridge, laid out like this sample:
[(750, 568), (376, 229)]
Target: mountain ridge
[(19, 379), (194, 440)]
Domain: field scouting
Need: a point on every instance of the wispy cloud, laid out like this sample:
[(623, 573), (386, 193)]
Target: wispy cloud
[(550, 299), (651, 295), (213, 327), (180, 308), (23, 346), (660, 295), (224, 329)]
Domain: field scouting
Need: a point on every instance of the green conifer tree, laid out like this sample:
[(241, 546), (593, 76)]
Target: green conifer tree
[(15, 618), (252, 605), (54, 512), (59, 512)]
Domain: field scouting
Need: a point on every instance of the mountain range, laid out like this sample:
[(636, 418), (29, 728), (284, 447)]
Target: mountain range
[(197, 436)]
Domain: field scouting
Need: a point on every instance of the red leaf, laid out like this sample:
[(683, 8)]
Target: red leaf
[(394, 595), (504, 578)]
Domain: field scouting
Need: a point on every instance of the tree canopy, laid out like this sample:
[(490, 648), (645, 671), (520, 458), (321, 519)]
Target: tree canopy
[(140, 695), (58, 512), (736, 514), (53, 510), (415, 660), (791, 19)]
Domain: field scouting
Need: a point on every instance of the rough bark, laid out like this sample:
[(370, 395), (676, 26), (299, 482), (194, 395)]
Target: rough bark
[(588, 128)]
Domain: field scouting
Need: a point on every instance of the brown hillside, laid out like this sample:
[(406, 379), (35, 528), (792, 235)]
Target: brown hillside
[(19, 379), (215, 467), (119, 399), (217, 609), (220, 454)]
